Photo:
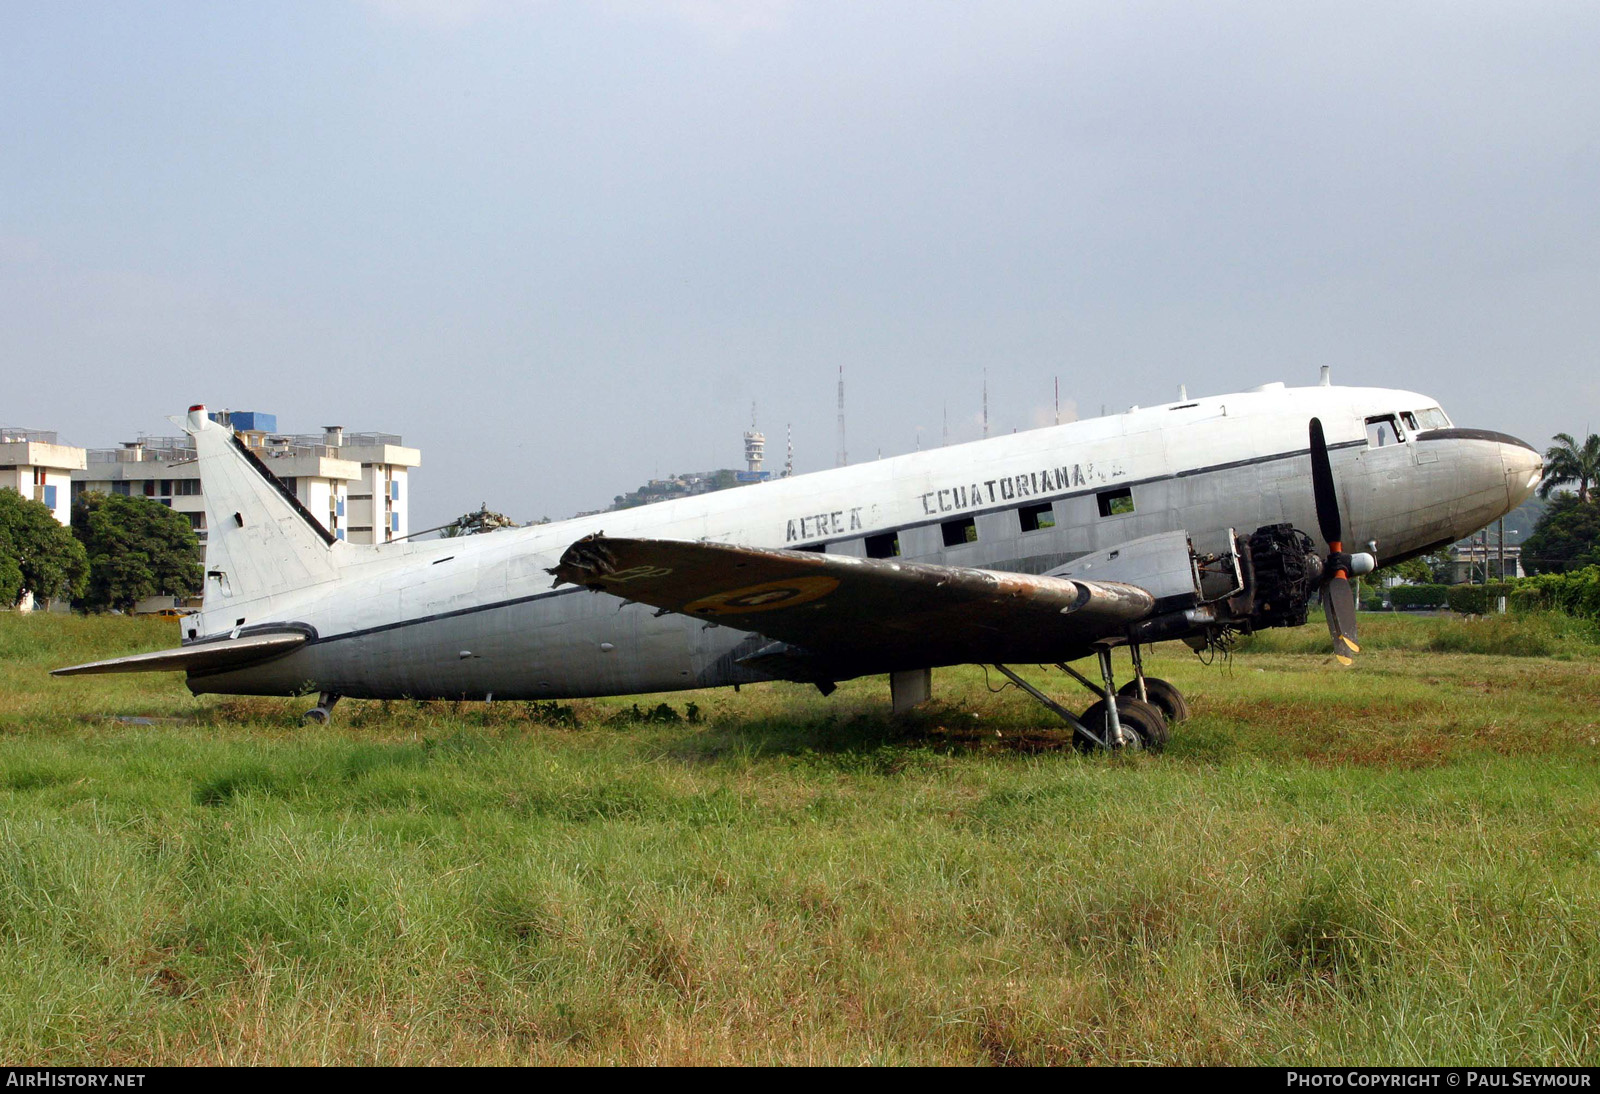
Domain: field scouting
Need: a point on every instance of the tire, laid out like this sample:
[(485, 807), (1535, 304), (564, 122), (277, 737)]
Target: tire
[(316, 716), (1145, 720), (1162, 695)]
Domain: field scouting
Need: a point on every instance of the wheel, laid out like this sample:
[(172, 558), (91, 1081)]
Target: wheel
[(1145, 720), (315, 716), (1160, 694)]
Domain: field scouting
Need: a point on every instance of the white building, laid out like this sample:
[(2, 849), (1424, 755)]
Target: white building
[(354, 483), (36, 465)]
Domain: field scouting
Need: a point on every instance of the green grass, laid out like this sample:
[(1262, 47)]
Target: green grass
[(1398, 863)]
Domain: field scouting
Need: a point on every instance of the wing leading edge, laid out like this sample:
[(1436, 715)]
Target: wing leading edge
[(838, 616), (202, 657)]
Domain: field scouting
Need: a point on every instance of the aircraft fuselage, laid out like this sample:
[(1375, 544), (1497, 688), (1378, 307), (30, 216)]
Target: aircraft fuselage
[(476, 617)]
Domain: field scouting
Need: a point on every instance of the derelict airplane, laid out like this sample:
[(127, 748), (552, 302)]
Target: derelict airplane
[(1194, 521)]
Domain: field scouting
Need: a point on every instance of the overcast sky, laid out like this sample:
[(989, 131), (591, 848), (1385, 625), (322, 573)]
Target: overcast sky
[(562, 247)]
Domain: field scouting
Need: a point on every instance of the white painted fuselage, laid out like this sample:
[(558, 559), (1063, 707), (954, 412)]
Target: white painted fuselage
[(477, 616)]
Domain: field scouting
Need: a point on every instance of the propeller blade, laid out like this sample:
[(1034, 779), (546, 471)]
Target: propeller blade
[(1338, 598), (1322, 490), (1339, 605)]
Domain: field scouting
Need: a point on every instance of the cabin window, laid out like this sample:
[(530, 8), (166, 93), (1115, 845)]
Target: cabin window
[(958, 532), (885, 546), (1035, 518), (1115, 503), (1383, 431)]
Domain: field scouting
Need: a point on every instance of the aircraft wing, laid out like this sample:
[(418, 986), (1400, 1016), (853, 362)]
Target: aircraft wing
[(838, 616), (227, 653)]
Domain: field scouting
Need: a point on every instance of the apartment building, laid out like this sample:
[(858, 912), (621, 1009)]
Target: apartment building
[(35, 464), (354, 483)]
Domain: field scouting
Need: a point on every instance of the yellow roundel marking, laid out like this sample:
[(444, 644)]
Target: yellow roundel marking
[(764, 597)]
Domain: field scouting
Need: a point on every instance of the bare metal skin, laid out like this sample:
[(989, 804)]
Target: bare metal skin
[(483, 617)]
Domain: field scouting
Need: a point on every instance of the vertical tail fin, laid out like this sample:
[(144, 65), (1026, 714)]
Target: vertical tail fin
[(260, 541)]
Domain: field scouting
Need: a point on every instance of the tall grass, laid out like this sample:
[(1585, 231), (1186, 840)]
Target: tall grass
[(1395, 864), (1523, 634)]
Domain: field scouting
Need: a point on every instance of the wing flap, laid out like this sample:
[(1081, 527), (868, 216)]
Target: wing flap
[(203, 657), (876, 613)]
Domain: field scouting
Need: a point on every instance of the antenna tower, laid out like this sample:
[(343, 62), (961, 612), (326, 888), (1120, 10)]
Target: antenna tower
[(755, 445), (844, 455)]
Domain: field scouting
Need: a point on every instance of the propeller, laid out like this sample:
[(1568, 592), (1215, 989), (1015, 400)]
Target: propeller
[(1338, 598)]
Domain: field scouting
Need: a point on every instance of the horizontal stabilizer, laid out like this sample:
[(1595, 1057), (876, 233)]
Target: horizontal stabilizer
[(202, 657)]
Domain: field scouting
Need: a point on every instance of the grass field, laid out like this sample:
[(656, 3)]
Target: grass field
[(1398, 863)]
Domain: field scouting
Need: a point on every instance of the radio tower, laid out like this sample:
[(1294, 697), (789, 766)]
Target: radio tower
[(985, 402), (844, 455), (788, 463), (755, 444)]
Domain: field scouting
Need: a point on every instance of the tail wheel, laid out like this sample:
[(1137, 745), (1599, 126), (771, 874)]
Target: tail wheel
[(1144, 720), (1162, 695)]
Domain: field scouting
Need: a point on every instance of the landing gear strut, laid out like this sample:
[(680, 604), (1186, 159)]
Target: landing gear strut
[(1157, 692), (320, 713), (1135, 717), (1080, 730)]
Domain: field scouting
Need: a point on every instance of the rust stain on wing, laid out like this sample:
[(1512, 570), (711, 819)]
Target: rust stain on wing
[(868, 612)]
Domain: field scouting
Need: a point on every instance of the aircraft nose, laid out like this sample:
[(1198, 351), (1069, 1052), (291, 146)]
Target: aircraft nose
[(1524, 468)]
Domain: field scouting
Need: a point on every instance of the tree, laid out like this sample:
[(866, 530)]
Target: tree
[(1567, 461), (1567, 537), (1442, 568), (136, 548), (1414, 571), (37, 554)]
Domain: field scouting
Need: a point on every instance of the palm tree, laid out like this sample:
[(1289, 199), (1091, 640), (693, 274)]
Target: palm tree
[(1566, 461)]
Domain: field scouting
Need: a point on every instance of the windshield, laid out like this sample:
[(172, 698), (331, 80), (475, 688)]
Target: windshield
[(1432, 418)]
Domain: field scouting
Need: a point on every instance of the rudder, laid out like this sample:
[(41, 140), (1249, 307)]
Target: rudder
[(260, 541)]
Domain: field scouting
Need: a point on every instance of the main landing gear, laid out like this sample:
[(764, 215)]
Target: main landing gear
[(319, 714), (1139, 715)]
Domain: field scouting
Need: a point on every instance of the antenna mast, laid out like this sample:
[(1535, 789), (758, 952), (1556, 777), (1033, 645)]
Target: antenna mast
[(985, 402), (844, 455)]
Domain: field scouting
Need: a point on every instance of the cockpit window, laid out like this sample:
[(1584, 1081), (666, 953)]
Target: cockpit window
[(1409, 420), (1432, 418), (1383, 431)]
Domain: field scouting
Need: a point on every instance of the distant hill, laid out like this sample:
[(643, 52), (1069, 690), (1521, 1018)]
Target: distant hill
[(682, 486)]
